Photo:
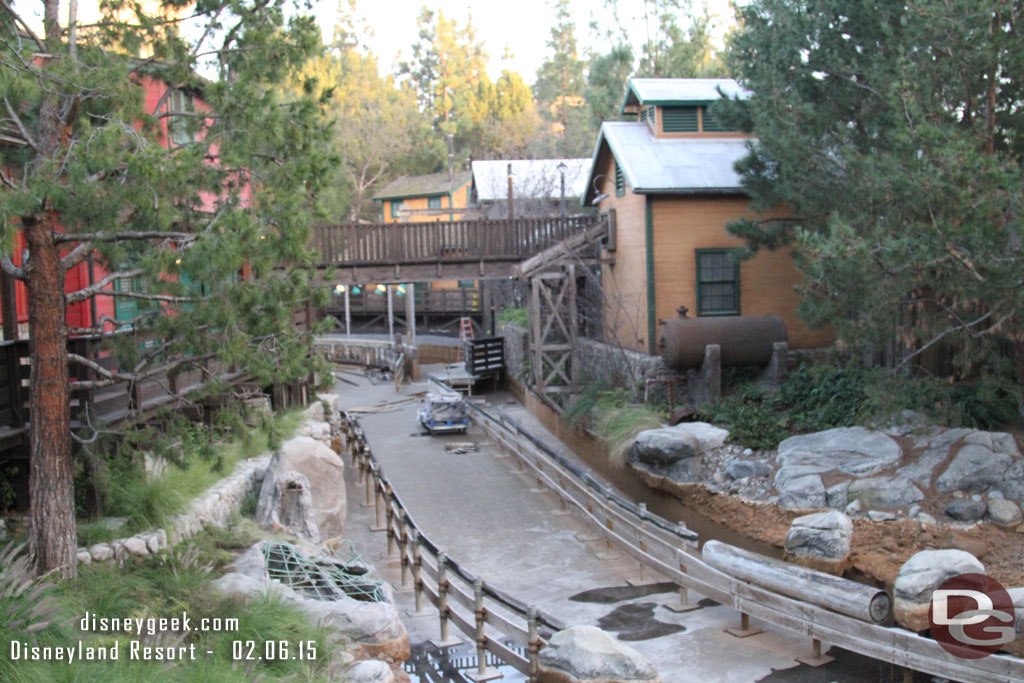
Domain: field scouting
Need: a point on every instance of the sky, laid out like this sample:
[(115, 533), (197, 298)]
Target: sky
[(523, 26)]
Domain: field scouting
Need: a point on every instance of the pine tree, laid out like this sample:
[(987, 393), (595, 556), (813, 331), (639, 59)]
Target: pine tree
[(86, 171), (895, 135), (560, 79)]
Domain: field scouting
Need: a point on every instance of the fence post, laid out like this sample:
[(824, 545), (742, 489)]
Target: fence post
[(532, 644), (378, 503), (390, 513), (417, 575), (641, 536), (609, 550), (483, 672), (442, 604), (403, 557), (684, 599), (368, 483)]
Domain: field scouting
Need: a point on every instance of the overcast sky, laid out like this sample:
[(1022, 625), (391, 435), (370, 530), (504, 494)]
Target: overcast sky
[(522, 25)]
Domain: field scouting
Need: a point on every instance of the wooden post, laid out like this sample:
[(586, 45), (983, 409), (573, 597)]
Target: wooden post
[(9, 306), (483, 672), (348, 314), (410, 313), (535, 326), (442, 604), (391, 317), (532, 644)]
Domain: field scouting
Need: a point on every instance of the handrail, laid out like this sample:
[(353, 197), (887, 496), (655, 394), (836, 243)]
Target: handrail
[(688, 570)]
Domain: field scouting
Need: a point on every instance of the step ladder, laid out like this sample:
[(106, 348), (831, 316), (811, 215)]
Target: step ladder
[(466, 329)]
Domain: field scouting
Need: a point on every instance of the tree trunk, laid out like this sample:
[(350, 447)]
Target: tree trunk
[(52, 534)]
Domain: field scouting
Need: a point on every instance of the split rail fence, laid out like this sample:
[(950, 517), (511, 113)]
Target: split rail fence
[(657, 545)]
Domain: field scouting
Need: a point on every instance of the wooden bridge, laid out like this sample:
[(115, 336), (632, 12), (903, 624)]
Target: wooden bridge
[(443, 250)]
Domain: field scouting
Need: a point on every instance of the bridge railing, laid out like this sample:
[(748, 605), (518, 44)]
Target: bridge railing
[(657, 545), (454, 241), (492, 618)]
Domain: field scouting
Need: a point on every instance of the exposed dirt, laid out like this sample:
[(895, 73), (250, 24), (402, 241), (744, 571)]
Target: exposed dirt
[(879, 548)]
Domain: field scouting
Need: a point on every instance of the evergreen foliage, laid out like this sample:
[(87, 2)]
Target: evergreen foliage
[(894, 134), (202, 222)]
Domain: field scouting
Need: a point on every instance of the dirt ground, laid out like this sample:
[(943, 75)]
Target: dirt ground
[(879, 548)]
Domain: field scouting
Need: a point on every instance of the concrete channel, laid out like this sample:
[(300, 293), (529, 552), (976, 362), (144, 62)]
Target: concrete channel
[(482, 513)]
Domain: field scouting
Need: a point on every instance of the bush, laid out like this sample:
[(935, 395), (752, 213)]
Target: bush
[(516, 316), (611, 415)]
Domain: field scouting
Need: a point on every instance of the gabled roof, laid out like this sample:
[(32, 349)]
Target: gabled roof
[(679, 91), (653, 165), (432, 184), (532, 178)]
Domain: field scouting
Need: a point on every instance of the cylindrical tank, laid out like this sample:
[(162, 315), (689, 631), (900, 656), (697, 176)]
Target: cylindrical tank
[(744, 339)]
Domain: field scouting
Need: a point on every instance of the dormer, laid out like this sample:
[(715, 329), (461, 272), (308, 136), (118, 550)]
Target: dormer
[(680, 107)]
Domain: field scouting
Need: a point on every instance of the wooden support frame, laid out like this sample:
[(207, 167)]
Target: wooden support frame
[(554, 333)]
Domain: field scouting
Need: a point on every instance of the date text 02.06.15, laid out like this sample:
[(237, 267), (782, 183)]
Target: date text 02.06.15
[(272, 650)]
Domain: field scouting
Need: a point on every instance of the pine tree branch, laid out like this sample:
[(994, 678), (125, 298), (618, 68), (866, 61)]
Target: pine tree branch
[(112, 377), (94, 289), (24, 26), (7, 181), (61, 237), (76, 256), (148, 297), (29, 140), (14, 271)]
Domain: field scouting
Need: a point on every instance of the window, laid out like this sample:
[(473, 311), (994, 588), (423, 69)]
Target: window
[(395, 208), (679, 119), (179, 127), (433, 202), (718, 282), (620, 181), (710, 124)]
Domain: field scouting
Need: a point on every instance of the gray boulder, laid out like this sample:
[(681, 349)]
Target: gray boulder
[(886, 492), (304, 490), (1012, 484), (1005, 513), (804, 492), (742, 469), (853, 450), (586, 654), (668, 445), (983, 460), (370, 671), (920, 576), (966, 510), (937, 451), (821, 541), (838, 496)]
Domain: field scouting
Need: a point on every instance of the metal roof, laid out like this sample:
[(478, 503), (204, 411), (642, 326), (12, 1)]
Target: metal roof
[(680, 91), (428, 185), (533, 178), (654, 165)]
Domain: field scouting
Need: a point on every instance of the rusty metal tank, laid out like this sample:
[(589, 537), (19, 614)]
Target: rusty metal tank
[(744, 339)]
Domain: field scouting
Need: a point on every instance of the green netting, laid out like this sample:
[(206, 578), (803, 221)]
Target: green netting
[(325, 578)]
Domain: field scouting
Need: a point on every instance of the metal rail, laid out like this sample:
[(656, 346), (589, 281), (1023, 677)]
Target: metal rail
[(486, 614), (671, 552)]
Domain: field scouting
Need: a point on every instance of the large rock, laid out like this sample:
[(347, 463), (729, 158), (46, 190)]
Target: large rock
[(853, 450), (920, 576), (1012, 483), (586, 654), (983, 460), (370, 671), (937, 448), (668, 445), (304, 490), (742, 469), (966, 510), (887, 492), (800, 492), (1005, 513), (820, 541)]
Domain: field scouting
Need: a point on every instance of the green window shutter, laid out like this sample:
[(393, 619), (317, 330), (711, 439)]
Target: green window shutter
[(712, 124), (718, 282), (125, 309), (395, 207), (620, 181), (433, 202), (679, 119)]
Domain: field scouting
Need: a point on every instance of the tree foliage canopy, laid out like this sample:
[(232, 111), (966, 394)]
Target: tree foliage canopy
[(894, 133)]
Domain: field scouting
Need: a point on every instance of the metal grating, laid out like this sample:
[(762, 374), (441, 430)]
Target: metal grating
[(324, 578)]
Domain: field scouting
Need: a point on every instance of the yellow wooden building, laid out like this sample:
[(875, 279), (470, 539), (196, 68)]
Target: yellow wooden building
[(669, 176), (432, 197)]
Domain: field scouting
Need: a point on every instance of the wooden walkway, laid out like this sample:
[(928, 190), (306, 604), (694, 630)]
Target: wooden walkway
[(417, 252)]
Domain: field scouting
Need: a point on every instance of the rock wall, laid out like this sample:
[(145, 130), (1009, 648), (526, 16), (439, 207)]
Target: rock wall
[(596, 363), (219, 503)]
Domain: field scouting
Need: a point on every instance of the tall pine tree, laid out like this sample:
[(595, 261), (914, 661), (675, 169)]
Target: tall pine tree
[(87, 170)]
